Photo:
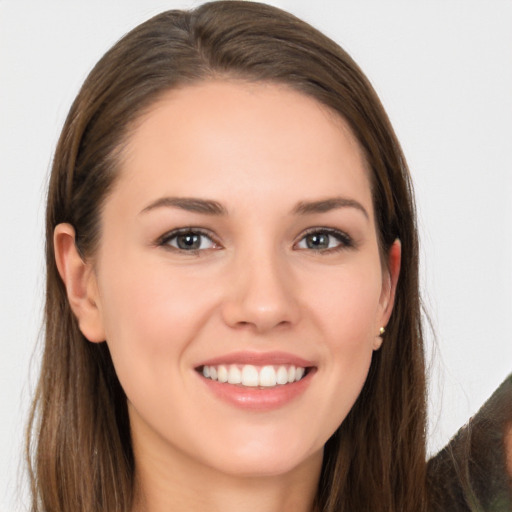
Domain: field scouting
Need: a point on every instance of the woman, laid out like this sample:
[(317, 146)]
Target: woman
[(213, 292)]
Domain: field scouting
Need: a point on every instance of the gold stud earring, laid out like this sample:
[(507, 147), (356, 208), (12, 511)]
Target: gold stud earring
[(382, 330)]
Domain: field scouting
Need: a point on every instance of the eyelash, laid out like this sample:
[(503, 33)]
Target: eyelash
[(344, 241)]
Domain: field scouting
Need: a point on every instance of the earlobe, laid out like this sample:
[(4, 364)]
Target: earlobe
[(80, 282)]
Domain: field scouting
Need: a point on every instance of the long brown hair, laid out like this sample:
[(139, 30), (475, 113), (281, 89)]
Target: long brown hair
[(79, 445)]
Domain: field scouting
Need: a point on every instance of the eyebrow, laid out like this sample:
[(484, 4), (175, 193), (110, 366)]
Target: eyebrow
[(210, 207), (325, 205), (190, 204)]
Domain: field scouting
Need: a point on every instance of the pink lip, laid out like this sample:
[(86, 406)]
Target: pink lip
[(258, 399), (258, 359)]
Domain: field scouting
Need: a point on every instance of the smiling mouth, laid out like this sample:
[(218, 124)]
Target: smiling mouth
[(252, 376)]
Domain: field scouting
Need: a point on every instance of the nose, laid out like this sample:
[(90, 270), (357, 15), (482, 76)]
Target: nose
[(262, 294)]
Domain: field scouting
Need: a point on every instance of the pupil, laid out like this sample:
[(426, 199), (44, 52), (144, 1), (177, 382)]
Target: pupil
[(318, 241), (189, 241)]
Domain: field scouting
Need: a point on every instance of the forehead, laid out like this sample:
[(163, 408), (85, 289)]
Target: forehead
[(220, 137)]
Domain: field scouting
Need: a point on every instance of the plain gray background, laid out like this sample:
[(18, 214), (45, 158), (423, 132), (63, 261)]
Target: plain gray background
[(443, 69)]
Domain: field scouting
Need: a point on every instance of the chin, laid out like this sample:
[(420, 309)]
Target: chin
[(255, 460)]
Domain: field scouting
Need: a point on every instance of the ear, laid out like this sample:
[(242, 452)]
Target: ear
[(389, 283), (80, 282)]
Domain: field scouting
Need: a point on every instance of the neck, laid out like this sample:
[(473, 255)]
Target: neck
[(174, 483), (252, 495)]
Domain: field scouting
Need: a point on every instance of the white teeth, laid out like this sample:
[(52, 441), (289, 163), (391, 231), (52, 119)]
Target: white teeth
[(222, 374), (250, 375), (282, 375), (267, 376), (235, 375)]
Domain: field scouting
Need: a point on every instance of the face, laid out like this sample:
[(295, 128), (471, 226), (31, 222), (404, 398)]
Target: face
[(238, 281)]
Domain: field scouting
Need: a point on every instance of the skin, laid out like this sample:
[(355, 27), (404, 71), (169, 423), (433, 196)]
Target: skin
[(261, 152)]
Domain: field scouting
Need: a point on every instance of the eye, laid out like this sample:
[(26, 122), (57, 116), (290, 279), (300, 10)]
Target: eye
[(325, 240), (188, 239)]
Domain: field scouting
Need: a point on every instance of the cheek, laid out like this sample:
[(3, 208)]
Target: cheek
[(347, 305), (148, 304), (151, 320), (346, 312), (150, 317)]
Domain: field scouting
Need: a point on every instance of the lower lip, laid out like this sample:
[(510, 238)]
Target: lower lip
[(258, 399)]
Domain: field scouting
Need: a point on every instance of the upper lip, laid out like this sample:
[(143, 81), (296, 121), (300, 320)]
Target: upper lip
[(258, 359)]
